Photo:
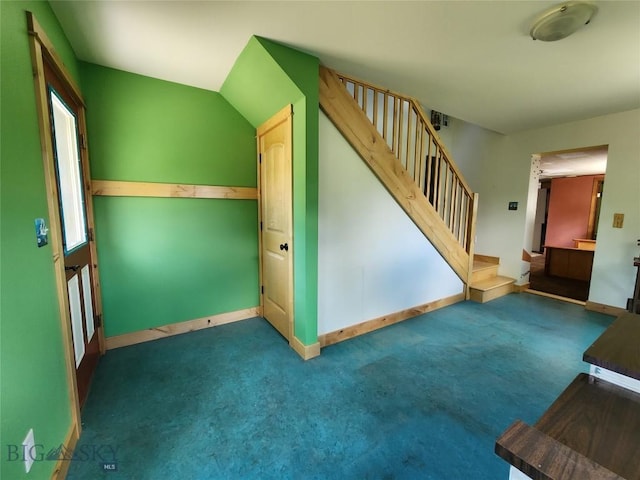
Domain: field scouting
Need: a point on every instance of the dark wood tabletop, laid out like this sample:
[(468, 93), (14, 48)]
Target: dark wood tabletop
[(618, 348), (592, 431)]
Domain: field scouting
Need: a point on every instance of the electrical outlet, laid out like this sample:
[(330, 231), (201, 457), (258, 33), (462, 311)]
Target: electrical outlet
[(27, 450), (618, 220)]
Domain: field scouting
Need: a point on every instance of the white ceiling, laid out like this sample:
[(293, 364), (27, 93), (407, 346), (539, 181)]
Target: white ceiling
[(473, 60)]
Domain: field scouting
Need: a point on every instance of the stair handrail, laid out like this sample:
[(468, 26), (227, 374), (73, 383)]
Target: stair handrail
[(456, 205)]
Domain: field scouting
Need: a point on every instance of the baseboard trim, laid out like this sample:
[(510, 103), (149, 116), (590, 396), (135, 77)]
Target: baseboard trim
[(181, 327), (62, 465), (606, 309), (346, 333), (555, 297), (521, 288), (307, 352)]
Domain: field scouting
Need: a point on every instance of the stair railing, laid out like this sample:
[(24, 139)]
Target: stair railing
[(403, 124)]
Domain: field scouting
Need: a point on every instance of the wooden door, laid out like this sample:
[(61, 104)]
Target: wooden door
[(274, 148), (64, 122)]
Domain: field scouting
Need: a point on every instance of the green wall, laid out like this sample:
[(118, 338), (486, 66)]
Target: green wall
[(33, 380), (166, 260), (266, 77)]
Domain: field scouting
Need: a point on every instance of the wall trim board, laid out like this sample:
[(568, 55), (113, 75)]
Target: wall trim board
[(62, 465), (346, 333), (307, 352), (178, 328), (521, 288), (606, 309), (170, 190)]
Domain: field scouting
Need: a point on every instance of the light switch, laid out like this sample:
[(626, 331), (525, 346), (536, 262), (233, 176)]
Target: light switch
[(618, 220)]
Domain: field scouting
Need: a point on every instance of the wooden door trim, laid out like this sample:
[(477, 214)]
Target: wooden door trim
[(274, 121), (591, 226), (283, 115), (42, 50)]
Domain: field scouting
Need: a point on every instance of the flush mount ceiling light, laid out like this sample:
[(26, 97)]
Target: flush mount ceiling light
[(562, 20)]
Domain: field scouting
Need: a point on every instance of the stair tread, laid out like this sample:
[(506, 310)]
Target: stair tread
[(480, 265), (493, 282)]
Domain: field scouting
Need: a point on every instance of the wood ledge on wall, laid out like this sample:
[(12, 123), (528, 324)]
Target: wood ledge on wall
[(380, 322), (170, 190), (181, 327)]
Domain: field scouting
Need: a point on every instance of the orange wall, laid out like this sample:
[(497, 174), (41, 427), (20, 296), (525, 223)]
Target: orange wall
[(569, 207)]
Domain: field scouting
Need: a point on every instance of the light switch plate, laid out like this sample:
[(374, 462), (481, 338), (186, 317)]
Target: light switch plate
[(618, 220)]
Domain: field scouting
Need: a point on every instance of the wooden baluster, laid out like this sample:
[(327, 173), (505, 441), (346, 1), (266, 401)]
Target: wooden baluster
[(436, 179), (447, 194), (400, 124), (456, 212), (463, 218), (395, 126), (429, 176), (385, 119), (365, 99), (408, 142), (420, 156), (375, 110), (467, 215), (460, 216), (454, 198)]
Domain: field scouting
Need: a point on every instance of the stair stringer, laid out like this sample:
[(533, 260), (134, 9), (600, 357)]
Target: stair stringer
[(356, 128)]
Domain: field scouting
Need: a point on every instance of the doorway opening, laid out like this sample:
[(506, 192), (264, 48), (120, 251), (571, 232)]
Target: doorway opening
[(570, 188)]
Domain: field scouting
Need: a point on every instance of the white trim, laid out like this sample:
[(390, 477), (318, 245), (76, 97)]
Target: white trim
[(615, 378), (515, 474)]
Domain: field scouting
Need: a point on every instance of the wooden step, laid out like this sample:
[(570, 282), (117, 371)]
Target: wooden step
[(490, 289), (592, 431), (483, 270)]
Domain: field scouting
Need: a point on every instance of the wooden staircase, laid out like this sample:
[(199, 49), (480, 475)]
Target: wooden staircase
[(393, 136), (592, 430), (486, 284)]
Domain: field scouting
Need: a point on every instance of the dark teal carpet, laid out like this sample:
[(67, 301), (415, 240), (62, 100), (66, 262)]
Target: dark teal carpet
[(423, 399)]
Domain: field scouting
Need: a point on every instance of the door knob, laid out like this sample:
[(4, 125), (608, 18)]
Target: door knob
[(284, 246)]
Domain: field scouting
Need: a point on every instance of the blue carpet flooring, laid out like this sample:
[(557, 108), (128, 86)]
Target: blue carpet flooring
[(423, 399)]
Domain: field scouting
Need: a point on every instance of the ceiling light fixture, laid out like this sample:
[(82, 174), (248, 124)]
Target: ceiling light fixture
[(562, 20)]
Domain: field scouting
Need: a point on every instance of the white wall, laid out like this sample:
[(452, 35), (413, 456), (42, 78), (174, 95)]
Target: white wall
[(506, 177), (372, 260)]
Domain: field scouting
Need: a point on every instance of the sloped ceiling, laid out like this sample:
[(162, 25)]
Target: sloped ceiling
[(473, 60)]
